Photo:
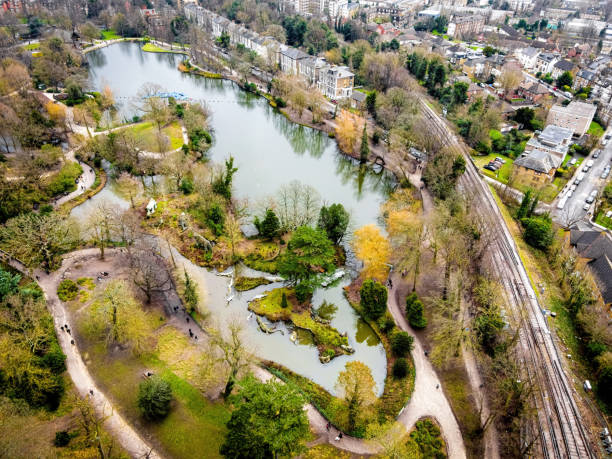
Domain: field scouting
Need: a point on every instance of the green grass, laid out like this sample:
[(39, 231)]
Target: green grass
[(326, 337), (602, 220), (110, 35), (249, 283), (31, 46), (151, 48), (195, 424), (595, 129), (147, 133)]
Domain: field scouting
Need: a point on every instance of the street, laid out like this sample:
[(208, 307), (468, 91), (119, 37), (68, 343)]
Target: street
[(573, 209)]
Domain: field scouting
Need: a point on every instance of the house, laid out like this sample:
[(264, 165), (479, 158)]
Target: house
[(561, 67), (290, 59), (336, 82), (527, 57), (532, 92), (310, 68), (358, 100), (584, 78), (474, 91), (545, 63), (554, 140), (474, 67), (466, 26), (151, 207), (576, 116), (536, 168), (595, 247)]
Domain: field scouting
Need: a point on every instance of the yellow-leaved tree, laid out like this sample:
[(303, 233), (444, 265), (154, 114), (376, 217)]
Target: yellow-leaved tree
[(57, 112), (356, 385), (348, 130), (373, 249)]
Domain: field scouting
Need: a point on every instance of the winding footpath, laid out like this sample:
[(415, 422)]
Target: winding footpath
[(129, 439)]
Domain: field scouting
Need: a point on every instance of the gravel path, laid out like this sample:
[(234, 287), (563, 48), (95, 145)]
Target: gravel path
[(428, 398), (129, 439)]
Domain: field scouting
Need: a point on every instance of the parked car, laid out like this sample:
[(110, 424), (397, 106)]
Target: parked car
[(501, 160), (495, 164), (596, 154), (586, 207), (591, 197), (569, 194), (572, 161), (573, 187), (489, 167)]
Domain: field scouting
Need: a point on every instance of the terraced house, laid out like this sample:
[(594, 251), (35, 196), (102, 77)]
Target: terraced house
[(333, 81)]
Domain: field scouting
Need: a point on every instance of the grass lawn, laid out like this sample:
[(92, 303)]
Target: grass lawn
[(110, 35), (568, 158), (602, 220), (148, 133), (31, 46), (595, 129), (151, 48), (501, 175), (195, 426)]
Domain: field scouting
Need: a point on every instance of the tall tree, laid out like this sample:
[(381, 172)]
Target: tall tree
[(356, 385), (373, 249), (269, 421), (234, 353), (334, 221), (309, 253)]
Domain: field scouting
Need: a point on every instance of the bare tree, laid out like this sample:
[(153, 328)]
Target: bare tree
[(234, 352), (100, 225), (148, 269)]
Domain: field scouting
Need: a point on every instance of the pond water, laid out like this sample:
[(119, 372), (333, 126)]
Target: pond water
[(269, 152)]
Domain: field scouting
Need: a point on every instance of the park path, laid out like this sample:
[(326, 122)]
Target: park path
[(428, 398), (117, 426)]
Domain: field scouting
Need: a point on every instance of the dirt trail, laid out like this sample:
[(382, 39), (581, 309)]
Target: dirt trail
[(130, 440), (428, 398)]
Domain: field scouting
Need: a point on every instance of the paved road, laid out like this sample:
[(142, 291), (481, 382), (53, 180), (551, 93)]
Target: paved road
[(551, 88), (573, 209)]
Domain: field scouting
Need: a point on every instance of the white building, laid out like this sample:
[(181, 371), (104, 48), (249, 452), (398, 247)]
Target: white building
[(527, 57)]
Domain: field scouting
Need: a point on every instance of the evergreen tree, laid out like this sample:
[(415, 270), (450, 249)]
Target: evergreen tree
[(270, 225), (364, 150), (154, 397), (414, 312), (334, 221), (525, 205), (373, 298), (284, 303), (191, 293)]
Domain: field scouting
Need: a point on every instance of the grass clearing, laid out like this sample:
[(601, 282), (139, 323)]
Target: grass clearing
[(195, 425), (110, 34), (595, 129), (172, 136), (31, 46), (151, 48)]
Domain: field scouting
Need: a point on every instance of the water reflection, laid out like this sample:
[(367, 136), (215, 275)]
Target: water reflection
[(269, 151)]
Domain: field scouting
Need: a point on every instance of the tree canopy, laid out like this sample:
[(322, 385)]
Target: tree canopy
[(154, 397), (373, 298), (309, 253), (269, 421), (334, 221)]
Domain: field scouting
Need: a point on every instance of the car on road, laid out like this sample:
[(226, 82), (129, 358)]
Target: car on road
[(596, 154), (591, 197), (569, 194), (586, 207), (573, 187), (580, 178)]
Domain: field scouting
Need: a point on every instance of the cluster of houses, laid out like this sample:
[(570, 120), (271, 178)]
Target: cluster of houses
[(335, 82), (545, 153)]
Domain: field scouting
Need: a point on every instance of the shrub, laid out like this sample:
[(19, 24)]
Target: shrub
[(401, 343), (538, 232), (400, 368), (373, 299), (54, 358), (284, 303), (67, 290), (414, 312), (62, 438), (269, 226), (186, 186), (303, 292), (387, 323), (215, 218), (154, 397)]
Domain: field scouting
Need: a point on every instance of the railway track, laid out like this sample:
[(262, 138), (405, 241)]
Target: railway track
[(558, 423)]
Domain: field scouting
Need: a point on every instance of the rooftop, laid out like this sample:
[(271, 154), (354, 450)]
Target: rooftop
[(537, 160), (555, 135), (564, 65), (576, 108)]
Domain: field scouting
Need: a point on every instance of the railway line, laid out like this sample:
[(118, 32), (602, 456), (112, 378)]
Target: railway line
[(558, 424)]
